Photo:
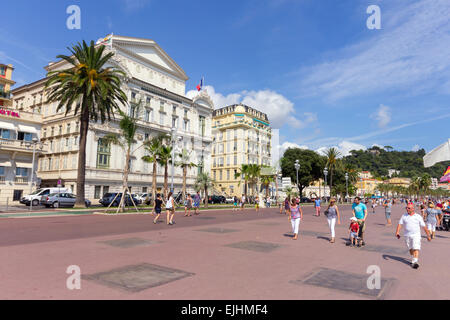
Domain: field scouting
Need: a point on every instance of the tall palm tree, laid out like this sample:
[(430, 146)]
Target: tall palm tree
[(204, 182), (332, 155), (185, 164), (128, 128), (95, 86), (266, 181), (153, 149), (165, 158), (254, 174), (244, 172)]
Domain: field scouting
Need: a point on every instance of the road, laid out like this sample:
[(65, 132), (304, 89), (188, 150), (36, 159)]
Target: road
[(216, 255)]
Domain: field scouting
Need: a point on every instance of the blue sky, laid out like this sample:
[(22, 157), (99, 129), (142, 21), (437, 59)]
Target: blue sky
[(322, 76)]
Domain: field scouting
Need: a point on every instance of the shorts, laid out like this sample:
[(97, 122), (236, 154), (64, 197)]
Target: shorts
[(431, 226), (362, 227), (158, 210), (353, 234), (256, 206), (235, 204), (388, 214), (413, 243), (170, 209)]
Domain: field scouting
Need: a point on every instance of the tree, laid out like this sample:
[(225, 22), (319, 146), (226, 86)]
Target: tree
[(204, 182), (165, 158), (128, 128), (254, 174), (266, 181), (332, 155), (185, 164), (153, 150), (244, 172), (311, 166), (94, 90)]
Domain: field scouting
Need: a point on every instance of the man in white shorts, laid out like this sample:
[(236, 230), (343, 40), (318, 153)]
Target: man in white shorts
[(412, 223)]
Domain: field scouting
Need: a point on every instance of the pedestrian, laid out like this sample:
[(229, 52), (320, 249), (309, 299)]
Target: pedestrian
[(332, 214), (157, 207), (235, 203), (412, 223), (197, 200), (317, 203), (431, 219), (286, 205), (170, 208), (257, 204), (242, 202), (360, 212), (188, 206), (295, 216), (387, 211), (353, 230), (374, 204)]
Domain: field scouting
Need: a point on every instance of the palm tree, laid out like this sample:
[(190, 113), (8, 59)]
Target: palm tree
[(153, 149), (128, 128), (332, 156), (244, 172), (185, 163), (425, 182), (204, 182), (266, 181), (165, 158), (254, 174), (96, 87)]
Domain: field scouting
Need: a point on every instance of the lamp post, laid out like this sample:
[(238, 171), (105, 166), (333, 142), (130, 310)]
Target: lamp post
[(325, 172), (297, 166), (34, 142), (346, 186)]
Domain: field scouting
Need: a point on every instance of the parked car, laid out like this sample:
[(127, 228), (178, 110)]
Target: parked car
[(229, 200), (108, 198), (38, 194), (216, 199), (57, 200)]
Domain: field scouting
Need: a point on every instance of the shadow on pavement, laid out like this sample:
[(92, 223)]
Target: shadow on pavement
[(400, 259), (290, 235), (323, 238)]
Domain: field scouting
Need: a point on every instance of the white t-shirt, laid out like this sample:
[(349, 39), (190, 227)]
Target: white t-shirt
[(412, 224), (169, 203)]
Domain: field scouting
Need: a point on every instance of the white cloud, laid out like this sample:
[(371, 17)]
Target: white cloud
[(410, 53), (415, 148), (277, 107), (382, 115), (286, 145), (343, 147)]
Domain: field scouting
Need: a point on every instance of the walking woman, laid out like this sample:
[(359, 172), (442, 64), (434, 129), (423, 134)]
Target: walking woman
[(431, 219), (157, 207), (295, 217), (387, 211), (188, 206), (286, 205), (170, 209), (332, 214)]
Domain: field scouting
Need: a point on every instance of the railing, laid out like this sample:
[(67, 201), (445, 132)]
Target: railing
[(21, 180)]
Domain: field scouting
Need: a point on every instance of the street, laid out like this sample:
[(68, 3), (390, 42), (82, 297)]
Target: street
[(216, 255)]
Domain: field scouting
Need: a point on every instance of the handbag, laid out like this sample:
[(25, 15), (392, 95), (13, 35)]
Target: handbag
[(326, 212)]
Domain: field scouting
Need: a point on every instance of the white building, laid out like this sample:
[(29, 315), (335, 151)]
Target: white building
[(152, 78)]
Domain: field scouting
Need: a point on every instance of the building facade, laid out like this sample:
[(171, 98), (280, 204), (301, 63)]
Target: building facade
[(241, 135), (19, 134), (5, 85), (157, 83)]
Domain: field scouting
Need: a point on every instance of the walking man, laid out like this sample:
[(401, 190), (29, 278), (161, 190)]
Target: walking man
[(317, 206), (360, 212), (412, 223)]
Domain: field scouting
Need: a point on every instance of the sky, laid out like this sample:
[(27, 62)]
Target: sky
[(323, 77)]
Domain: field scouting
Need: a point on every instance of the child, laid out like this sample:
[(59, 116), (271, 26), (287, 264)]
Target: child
[(353, 230)]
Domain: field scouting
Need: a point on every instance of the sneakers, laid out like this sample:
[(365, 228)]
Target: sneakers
[(415, 265)]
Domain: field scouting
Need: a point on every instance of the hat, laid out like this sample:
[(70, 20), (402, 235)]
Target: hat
[(353, 218), (431, 205)]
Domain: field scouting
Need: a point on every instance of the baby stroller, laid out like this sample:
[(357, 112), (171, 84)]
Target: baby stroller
[(446, 220)]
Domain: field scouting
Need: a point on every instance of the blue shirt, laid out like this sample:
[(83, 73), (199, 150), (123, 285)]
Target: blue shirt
[(317, 202), (359, 210)]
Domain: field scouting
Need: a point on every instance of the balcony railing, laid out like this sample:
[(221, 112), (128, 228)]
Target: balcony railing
[(21, 180)]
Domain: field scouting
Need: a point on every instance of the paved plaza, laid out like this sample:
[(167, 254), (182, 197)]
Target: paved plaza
[(216, 255)]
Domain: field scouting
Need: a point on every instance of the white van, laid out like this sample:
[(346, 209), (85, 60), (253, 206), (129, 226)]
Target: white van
[(36, 196)]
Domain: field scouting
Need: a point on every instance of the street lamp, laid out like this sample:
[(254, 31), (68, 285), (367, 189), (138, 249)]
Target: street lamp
[(34, 142), (346, 186), (325, 172), (297, 166)]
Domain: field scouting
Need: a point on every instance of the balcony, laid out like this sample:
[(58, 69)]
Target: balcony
[(17, 145), (21, 180), (5, 95)]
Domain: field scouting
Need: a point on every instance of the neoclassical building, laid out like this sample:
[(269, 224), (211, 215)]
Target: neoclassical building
[(242, 135), (159, 84)]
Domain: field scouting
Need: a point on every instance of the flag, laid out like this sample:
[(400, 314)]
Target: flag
[(446, 176), (200, 86), (441, 153), (106, 40)]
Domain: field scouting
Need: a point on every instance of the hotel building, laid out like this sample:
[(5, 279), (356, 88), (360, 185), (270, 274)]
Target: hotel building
[(158, 83), (18, 129), (241, 135)]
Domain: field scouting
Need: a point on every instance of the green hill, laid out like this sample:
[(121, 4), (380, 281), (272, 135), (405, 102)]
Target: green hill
[(378, 161)]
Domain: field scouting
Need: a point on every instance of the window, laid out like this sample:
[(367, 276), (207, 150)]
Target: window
[(5, 134), (186, 125), (132, 111), (60, 129), (105, 189), (161, 118), (2, 71), (97, 191), (144, 189), (74, 162), (220, 175), (174, 109), (103, 154), (21, 172), (235, 160), (148, 114), (68, 128), (45, 133), (161, 106), (133, 96), (146, 136), (202, 125), (52, 132), (185, 113), (2, 171), (175, 122), (65, 162), (228, 174), (148, 101), (77, 127)]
